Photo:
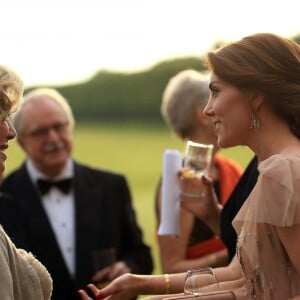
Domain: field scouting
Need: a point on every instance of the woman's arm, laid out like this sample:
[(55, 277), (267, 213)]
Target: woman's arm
[(173, 250), (173, 256), (128, 285), (206, 208)]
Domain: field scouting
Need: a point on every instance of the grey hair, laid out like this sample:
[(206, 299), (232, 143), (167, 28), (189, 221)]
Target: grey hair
[(184, 93), (36, 94)]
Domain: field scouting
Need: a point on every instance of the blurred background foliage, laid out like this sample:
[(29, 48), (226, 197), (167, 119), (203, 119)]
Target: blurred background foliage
[(136, 96), (120, 128), (118, 96)]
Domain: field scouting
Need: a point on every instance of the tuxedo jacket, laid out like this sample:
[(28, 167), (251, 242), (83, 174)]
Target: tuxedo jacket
[(104, 218)]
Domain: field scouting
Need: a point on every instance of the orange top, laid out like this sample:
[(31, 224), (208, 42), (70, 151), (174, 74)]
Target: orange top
[(229, 174)]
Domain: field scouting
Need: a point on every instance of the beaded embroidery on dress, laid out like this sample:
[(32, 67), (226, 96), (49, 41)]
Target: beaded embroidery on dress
[(274, 202)]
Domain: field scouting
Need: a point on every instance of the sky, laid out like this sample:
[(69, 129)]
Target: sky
[(67, 41)]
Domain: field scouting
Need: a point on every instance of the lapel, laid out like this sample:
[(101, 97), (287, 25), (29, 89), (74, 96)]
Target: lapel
[(88, 193), (32, 204), (93, 199), (43, 241), (96, 213)]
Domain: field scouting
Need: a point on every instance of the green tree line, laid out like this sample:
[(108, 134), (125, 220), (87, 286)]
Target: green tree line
[(113, 96)]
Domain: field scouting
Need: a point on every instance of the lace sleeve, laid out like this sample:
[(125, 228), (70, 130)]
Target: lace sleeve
[(275, 199)]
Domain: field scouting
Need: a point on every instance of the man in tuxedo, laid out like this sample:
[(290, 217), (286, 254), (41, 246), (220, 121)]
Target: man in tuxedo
[(68, 209)]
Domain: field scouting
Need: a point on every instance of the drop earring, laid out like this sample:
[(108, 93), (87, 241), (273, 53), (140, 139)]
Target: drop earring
[(255, 124)]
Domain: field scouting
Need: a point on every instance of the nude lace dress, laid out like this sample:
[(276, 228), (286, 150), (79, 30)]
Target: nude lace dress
[(274, 202)]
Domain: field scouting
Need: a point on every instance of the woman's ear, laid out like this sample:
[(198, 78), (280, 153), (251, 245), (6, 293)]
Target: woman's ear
[(256, 101)]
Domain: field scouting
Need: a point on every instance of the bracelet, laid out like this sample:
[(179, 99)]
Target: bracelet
[(214, 274), (192, 195), (167, 283)]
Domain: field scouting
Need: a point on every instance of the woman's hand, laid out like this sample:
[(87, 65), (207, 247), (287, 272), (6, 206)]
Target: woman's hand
[(122, 288), (199, 198), (85, 296), (110, 273)]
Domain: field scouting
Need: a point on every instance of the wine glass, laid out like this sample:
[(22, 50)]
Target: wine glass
[(101, 259), (198, 281), (197, 159)]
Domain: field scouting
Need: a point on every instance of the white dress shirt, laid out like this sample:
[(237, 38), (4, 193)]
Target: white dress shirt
[(60, 209)]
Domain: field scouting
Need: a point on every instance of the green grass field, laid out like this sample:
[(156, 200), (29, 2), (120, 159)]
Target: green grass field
[(134, 150)]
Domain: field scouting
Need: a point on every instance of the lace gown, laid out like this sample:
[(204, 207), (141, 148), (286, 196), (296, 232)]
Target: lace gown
[(274, 202)]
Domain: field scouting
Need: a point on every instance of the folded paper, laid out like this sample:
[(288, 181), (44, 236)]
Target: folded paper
[(170, 206)]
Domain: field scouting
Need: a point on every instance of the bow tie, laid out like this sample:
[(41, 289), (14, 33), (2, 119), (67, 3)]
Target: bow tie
[(63, 185)]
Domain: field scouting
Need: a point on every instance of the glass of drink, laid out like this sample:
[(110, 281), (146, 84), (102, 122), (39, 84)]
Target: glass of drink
[(198, 281), (101, 259), (197, 159)]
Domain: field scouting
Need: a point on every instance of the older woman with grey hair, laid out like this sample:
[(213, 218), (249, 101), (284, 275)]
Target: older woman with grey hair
[(183, 101)]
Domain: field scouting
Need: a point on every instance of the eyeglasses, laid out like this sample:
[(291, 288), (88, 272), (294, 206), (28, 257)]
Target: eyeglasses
[(42, 132)]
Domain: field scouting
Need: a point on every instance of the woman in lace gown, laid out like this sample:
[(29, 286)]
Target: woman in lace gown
[(255, 102)]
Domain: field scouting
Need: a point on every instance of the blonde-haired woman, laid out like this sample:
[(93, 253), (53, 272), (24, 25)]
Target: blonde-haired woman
[(22, 277)]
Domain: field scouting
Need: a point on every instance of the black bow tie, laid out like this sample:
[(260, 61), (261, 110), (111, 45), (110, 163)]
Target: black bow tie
[(63, 185)]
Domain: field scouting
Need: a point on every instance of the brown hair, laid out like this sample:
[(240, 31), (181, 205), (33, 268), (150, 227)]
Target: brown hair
[(266, 63)]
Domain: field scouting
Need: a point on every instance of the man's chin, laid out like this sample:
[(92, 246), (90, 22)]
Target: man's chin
[(56, 166), (57, 157)]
